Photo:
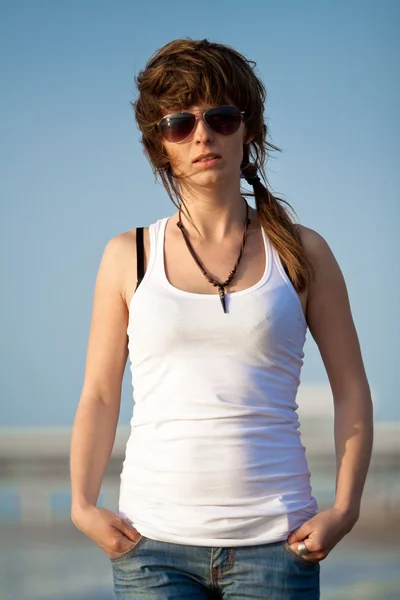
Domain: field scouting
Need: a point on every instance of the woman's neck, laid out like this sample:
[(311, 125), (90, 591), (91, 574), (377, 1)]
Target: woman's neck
[(214, 216)]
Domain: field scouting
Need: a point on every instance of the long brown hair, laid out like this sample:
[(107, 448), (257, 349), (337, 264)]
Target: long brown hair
[(188, 72)]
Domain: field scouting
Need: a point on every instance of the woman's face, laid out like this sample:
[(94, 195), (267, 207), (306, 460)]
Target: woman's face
[(228, 150)]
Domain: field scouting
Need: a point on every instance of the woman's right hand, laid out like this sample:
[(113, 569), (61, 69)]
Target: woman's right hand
[(113, 533)]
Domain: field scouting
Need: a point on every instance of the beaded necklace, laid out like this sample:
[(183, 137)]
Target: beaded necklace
[(220, 285)]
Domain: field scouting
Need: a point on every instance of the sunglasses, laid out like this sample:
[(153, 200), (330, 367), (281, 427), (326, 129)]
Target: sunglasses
[(224, 120)]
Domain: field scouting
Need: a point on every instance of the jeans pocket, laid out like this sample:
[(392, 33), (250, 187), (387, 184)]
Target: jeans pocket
[(308, 563), (130, 552)]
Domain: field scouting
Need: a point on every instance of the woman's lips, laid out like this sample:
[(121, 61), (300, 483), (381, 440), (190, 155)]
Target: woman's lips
[(206, 156), (207, 162)]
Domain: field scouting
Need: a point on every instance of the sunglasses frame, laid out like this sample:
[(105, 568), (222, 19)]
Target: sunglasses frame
[(197, 117)]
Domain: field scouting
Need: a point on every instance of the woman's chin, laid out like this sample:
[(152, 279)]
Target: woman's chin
[(211, 177)]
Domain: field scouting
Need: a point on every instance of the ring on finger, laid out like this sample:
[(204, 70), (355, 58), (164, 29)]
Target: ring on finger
[(302, 549)]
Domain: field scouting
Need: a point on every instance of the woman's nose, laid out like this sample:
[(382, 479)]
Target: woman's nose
[(202, 131)]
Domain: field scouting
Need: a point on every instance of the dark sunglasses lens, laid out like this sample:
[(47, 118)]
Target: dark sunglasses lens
[(176, 128), (224, 119)]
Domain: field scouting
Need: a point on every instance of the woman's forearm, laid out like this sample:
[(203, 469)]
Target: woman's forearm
[(353, 442), (92, 441)]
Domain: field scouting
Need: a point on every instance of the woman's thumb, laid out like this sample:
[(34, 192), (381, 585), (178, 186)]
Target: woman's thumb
[(299, 534), (127, 529)]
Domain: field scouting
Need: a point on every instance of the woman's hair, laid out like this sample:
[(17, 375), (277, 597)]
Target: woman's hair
[(188, 72)]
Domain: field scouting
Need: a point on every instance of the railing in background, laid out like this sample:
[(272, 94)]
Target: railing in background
[(35, 487)]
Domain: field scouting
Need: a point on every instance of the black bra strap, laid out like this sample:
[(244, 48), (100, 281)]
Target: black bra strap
[(139, 255)]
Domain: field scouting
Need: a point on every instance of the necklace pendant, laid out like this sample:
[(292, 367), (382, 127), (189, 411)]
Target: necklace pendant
[(221, 292), (220, 285)]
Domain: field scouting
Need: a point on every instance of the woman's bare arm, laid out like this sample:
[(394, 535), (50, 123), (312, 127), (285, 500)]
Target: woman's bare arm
[(97, 414), (331, 324)]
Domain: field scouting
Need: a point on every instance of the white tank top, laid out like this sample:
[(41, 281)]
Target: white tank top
[(214, 457)]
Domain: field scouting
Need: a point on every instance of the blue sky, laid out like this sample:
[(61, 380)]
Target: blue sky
[(74, 174)]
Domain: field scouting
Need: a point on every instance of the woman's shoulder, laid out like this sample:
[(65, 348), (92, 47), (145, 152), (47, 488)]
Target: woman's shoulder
[(128, 237), (121, 244), (119, 260), (309, 237), (327, 271), (125, 241), (313, 242)]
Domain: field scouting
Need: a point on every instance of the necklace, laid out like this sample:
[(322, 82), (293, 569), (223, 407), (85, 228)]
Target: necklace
[(220, 285)]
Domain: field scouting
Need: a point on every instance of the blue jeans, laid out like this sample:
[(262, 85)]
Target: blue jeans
[(154, 570)]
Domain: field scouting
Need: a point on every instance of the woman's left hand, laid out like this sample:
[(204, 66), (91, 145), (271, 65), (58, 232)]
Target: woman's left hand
[(321, 533)]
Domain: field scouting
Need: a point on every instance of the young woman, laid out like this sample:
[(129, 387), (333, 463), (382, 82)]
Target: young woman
[(215, 497)]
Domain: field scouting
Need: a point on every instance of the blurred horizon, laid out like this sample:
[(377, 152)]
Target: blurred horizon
[(39, 545)]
